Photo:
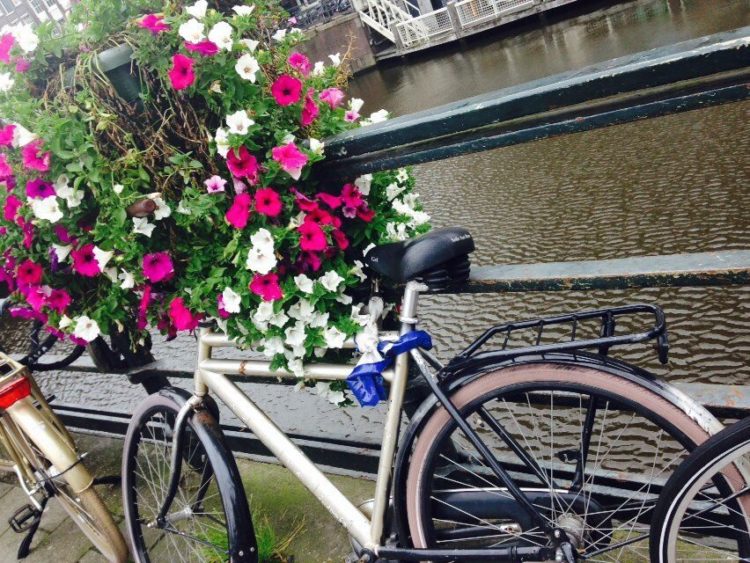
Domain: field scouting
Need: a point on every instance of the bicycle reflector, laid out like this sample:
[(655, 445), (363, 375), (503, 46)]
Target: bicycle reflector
[(14, 391)]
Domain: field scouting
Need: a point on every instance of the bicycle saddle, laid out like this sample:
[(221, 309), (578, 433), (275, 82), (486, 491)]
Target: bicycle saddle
[(439, 259)]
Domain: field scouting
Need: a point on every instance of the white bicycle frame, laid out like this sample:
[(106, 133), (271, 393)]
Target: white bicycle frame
[(211, 376)]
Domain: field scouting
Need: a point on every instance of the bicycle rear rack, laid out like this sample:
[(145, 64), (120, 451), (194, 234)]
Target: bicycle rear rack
[(574, 324)]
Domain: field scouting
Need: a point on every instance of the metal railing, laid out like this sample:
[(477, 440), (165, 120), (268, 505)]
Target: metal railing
[(475, 12), (424, 28)]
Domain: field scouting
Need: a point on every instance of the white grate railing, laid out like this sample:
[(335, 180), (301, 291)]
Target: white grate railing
[(475, 12), (421, 29)]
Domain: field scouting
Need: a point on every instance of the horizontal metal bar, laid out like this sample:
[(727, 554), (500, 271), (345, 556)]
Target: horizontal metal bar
[(685, 76), (730, 267), (258, 368), (221, 340)]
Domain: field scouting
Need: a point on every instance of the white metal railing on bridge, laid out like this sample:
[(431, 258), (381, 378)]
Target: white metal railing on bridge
[(425, 27), (383, 15), (475, 12)]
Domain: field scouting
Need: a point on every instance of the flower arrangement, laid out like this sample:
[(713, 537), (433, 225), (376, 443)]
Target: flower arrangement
[(222, 144)]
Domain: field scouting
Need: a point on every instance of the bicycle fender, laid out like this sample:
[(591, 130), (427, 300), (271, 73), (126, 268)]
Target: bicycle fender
[(469, 373)]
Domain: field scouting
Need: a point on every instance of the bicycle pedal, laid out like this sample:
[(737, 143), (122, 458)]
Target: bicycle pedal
[(24, 518)]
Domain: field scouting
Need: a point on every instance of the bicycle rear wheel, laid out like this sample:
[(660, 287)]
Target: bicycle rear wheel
[(704, 511), (209, 519), (590, 449)]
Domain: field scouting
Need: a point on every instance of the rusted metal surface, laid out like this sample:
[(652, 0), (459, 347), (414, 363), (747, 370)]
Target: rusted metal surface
[(731, 267), (689, 75)]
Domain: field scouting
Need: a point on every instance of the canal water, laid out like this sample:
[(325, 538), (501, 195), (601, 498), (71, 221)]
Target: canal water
[(675, 184)]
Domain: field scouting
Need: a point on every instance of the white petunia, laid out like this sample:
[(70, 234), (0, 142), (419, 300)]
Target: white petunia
[(296, 367), (192, 31), (127, 280), (319, 320), (141, 226), (264, 312), (364, 183), (402, 175), (250, 44), (222, 141), (302, 310), (262, 238), (243, 10), (47, 208), (65, 322), (86, 329), (392, 190), (396, 231), (215, 87), (279, 319), (239, 123), (74, 198), (319, 68), (247, 67), (279, 35), (260, 260), (102, 257), (62, 251), (162, 210), (221, 36), (272, 346), (335, 59), (117, 188), (323, 389), (61, 183), (231, 300), (25, 36), (198, 10), (295, 335), (111, 273), (344, 298), (355, 104), (303, 283), (288, 138), (22, 136), (358, 271), (331, 280), (6, 81), (316, 146), (334, 337), (375, 117)]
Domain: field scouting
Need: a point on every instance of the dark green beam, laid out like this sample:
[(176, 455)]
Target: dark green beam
[(685, 76), (731, 267)]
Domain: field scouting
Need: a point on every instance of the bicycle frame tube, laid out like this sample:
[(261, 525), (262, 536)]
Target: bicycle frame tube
[(211, 375)]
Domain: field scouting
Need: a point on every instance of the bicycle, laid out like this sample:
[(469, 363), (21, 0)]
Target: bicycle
[(704, 510), (518, 453), (43, 457)]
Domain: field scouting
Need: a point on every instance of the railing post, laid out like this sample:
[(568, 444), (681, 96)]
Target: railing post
[(455, 20), (397, 38)]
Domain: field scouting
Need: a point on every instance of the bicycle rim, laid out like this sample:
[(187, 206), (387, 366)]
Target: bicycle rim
[(636, 440)]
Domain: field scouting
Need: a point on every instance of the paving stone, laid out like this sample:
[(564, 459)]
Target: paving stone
[(12, 501), (10, 541), (67, 544), (92, 556)]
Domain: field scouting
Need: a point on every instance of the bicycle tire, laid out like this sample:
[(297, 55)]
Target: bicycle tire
[(700, 495), (442, 464), (68, 479), (229, 533)]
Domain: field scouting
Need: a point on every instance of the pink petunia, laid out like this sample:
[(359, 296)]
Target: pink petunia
[(365, 213), (309, 262), (34, 158), (63, 235), (332, 96), (205, 48), (29, 273), (181, 75), (303, 202), (85, 262), (6, 44), (27, 314), (7, 134), (58, 300), (340, 238), (351, 196), (35, 296), (181, 316), (332, 201), (39, 189), (10, 210), (239, 213), (312, 238), (215, 184), (267, 287), (28, 232), (300, 62), (286, 90), (22, 65), (145, 301), (154, 23), (268, 202), (320, 217), (310, 109), (291, 159), (5, 169), (351, 116), (242, 164), (158, 266)]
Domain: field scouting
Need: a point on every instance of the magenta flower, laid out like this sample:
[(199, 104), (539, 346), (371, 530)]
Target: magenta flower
[(310, 109), (332, 96), (365, 213), (303, 202), (145, 301), (39, 189), (154, 23), (311, 237), (267, 287), (286, 90), (239, 214), (63, 235), (205, 48), (291, 159), (182, 317), (309, 262), (351, 196), (7, 135), (320, 217), (215, 184), (22, 65), (300, 62), (242, 164), (58, 300), (332, 201), (181, 75), (6, 44), (340, 238), (34, 158), (10, 210), (268, 202), (29, 273), (223, 313), (85, 262), (28, 232), (351, 116), (158, 266)]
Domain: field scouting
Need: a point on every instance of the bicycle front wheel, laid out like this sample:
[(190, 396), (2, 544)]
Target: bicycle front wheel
[(704, 511), (588, 447), (209, 519)]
